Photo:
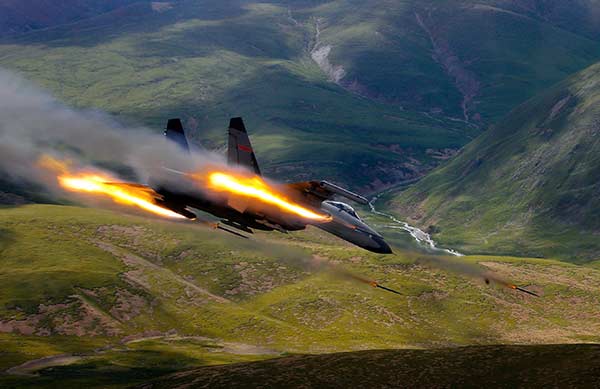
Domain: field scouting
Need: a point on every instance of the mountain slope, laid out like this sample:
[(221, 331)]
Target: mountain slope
[(472, 60), (207, 61), (366, 93), (529, 185), (111, 298)]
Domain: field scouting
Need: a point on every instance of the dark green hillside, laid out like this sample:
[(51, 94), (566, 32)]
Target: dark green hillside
[(530, 185), (17, 16), (472, 60), (575, 366)]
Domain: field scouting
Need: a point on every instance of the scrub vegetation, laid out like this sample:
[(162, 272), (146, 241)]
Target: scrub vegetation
[(116, 299)]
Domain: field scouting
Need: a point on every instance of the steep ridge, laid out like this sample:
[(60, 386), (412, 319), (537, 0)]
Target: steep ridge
[(467, 59), (529, 185)]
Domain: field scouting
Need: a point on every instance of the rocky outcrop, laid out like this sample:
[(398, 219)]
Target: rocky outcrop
[(320, 54)]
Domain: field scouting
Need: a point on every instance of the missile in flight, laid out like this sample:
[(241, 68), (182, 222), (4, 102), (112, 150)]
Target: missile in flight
[(375, 284)]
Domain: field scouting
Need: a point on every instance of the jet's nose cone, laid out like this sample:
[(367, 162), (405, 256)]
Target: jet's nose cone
[(381, 247)]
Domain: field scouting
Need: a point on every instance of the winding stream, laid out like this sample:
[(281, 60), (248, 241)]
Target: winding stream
[(422, 238)]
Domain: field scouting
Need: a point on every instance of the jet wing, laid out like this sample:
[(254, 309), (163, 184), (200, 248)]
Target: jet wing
[(324, 190)]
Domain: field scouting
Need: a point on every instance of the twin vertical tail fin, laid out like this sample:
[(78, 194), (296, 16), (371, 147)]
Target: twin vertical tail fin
[(239, 151), (174, 132)]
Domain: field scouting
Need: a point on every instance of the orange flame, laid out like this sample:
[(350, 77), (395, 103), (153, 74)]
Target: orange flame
[(258, 189), (97, 183)]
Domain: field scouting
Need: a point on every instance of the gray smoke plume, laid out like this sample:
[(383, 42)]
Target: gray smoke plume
[(301, 259), (33, 123), (463, 268)]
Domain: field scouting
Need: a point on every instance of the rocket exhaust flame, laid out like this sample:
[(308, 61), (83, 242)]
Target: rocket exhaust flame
[(118, 192), (92, 182), (257, 189), (488, 278), (515, 287)]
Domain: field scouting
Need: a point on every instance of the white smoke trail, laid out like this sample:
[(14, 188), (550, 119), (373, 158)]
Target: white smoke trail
[(32, 123)]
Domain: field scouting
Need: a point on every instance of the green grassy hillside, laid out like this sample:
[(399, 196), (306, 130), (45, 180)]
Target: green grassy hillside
[(527, 186), (407, 73), (114, 298), (207, 61)]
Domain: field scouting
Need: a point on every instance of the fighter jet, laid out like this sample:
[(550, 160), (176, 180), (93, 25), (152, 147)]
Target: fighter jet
[(319, 196)]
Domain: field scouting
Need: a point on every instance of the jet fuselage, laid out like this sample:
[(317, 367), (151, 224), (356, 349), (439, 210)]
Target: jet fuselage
[(236, 211)]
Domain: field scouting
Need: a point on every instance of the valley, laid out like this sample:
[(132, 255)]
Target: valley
[(529, 185), (473, 126)]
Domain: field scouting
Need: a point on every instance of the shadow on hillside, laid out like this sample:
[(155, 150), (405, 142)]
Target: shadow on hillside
[(248, 36), (474, 366), (120, 368), (134, 19)]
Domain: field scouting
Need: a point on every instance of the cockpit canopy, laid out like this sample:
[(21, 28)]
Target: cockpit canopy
[(344, 208)]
